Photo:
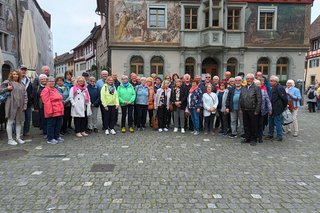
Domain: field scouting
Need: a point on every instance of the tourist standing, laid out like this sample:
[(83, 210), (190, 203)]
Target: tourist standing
[(210, 104), (195, 104), (294, 97), (94, 93), (161, 104)]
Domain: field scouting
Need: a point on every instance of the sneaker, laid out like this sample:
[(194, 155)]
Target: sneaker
[(113, 132), (60, 140), (295, 135), (143, 128), (160, 130), (196, 133), (139, 129), (183, 131), (95, 130), (107, 132), (243, 136), (12, 143), (165, 129), (53, 141), (131, 130), (175, 130), (232, 136), (84, 134), (79, 135), (123, 130), (20, 141)]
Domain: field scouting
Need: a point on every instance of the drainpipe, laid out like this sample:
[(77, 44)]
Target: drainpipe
[(18, 32)]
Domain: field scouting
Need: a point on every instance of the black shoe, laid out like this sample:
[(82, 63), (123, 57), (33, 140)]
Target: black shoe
[(269, 137), (279, 139), (232, 136), (95, 130), (89, 131), (243, 136), (253, 143), (260, 140), (245, 141)]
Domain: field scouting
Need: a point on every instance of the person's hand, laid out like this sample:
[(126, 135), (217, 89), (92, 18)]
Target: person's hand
[(10, 88), (256, 113), (227, 110), (106, 108), (126, 102), (117, 107), (270, 113), (92, 105), (36, 110), (198, 110)]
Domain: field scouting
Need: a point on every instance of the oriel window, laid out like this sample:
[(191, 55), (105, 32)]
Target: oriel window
[(234, 19), (191, 18)]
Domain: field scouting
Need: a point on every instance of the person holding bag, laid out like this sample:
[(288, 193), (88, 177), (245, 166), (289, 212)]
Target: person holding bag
[(15, 105), (210, 104), (294, 97)]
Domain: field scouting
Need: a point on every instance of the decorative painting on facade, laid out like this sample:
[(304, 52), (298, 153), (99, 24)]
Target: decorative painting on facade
[(131, 22), (290, 31)]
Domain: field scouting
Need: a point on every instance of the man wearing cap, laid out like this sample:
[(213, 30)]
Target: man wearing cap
[(29, 88)]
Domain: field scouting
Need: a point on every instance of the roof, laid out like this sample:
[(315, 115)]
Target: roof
[(315, 28), (90, 37), (65, 57)]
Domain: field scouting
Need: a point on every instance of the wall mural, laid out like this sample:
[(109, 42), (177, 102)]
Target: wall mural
[(131, 22), (290, 26)]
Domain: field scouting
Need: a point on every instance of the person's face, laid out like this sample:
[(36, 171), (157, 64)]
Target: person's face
[(46, 71), (208, 78), (104, 75), (110, 81), (197, 78), (92, 82), (68, 76), (249, 79), (209, 89), (51, 83), (87, 78), (124, 80), (289, 84), (133, 77), (143, 82), (238, 82), (228, 75), (187, 80), (258, 83), (81, 82), (59, 82), (114, 76), (222, 86), (158, 81), (166, 85), (175, 77), (178, 84), (215, 80), (138, 78), (168, 78), (15, 76), (23, 72), (194, 83), (259, 74), (272, 82), (232, 83), (149, 83)]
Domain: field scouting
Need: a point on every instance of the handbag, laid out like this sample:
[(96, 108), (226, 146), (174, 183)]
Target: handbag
[(290, 105), (4, 96), (186, 112), (287, 117), (155, 122), (170, 107)]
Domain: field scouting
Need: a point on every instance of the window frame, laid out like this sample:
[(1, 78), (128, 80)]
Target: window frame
[(137, 65), (191, 15), (270, 9), (281, 66), (157, 65), (157, 6), (264, 65), (233, 18)]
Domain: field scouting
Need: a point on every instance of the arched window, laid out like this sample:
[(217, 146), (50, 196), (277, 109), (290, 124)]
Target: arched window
[(190, 66), (137, 65), (282, 69), (157, 66), (264, 66), (232, 66)]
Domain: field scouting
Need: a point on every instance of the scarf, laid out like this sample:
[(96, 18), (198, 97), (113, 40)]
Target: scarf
[(125, 84), (82, 89), (192, 89), (111, 89)]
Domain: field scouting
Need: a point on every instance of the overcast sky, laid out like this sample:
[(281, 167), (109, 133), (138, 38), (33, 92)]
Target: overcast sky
[(72, 21)]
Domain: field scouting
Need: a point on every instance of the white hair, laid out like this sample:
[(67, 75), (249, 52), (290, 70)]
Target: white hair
[(291, 81), (143, 79), (124, 77), (104, 71), (250, 75), (238, 78), (275, 78), (186, 75), (216, 77), (41, 76)]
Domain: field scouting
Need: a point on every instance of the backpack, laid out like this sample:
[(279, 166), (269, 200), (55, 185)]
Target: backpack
[(311, 95)]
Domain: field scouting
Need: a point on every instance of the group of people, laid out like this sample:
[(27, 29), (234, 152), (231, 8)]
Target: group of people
[(235, 107)]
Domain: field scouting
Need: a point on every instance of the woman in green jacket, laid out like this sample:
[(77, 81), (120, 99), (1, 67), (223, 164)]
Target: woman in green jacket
[(110, 101), (127, 96)]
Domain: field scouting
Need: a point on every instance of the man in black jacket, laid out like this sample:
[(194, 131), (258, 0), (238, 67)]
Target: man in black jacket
[(250, 103), (279, 101), (186, 86)]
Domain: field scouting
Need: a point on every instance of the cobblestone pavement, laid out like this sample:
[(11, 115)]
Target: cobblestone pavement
[(164, 172)]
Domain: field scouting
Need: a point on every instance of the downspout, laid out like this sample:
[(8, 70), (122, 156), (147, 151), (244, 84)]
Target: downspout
[(18, 33)]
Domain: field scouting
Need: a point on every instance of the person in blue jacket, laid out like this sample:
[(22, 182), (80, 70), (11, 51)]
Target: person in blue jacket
[(142, 100), (94, 93)]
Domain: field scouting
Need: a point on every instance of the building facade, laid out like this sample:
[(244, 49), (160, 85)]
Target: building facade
[(10, 32), (63, 63), (209, 36), (313, 55), (102, 45), (85, 55)]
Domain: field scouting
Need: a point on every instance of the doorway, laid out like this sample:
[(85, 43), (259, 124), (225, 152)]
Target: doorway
[(209, 65)]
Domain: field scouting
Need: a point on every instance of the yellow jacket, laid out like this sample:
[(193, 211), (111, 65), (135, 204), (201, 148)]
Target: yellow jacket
[(108, 99)]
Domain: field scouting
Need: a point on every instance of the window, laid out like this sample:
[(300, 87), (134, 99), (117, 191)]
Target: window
[(189, 67), (215, 17), (207, 19), (137, 65), (157, 66), (316, 45), (4, 41), (267, 18), (191, 18), (232, 66), (264, 66), (1, 10), (282, 69), (233, 19), (314, 63), (157, 17)]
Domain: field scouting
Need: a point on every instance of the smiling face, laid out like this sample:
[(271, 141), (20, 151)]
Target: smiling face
[(43, 81), (51, 83), (92, 82), (15, 76)]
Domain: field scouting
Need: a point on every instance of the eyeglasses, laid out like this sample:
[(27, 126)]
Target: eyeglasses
[(208, 77)]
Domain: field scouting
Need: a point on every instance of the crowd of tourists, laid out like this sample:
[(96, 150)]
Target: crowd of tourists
[(241, 106)]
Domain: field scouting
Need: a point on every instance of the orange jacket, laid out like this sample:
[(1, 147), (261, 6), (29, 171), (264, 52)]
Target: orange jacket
[(151, 95)]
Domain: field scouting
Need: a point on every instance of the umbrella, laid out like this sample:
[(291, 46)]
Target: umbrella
[(29, 50)]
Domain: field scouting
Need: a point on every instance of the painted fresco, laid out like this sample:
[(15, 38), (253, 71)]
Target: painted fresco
[(290, 31), (131, 24)]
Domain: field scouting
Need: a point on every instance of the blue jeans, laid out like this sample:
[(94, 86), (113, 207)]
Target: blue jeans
[(43, 121), (195, 119), (275, 120), (26, 125), (53, 127)]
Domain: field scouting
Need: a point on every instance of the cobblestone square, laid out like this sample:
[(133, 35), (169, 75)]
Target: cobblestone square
[(164, 172)]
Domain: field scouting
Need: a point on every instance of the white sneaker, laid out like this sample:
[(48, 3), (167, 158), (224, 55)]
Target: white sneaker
[(79, 135), (112, 132), (84, 134), (165, 129), (160, 130), (175, 130), (107, 132), (183, 131), (20, 141), (60, 140), (12, 142), (53, 141)]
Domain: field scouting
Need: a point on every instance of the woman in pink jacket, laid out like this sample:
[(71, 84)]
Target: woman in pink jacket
[(53, 111)]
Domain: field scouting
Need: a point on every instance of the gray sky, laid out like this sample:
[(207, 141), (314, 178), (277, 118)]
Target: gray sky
[(72, 21)]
